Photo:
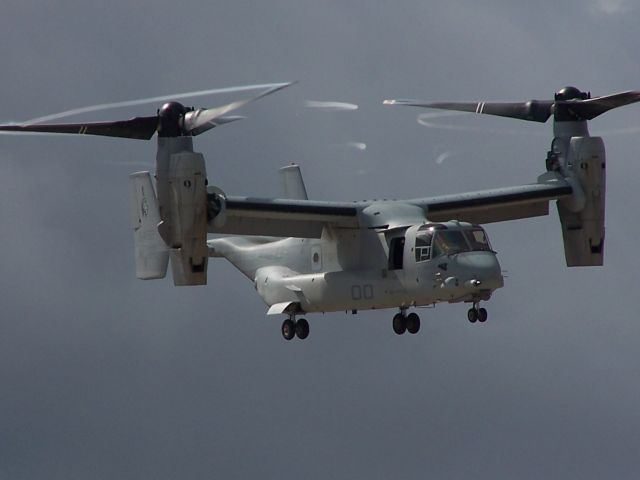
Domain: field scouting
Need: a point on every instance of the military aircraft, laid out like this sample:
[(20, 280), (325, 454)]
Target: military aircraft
[(307, 256)]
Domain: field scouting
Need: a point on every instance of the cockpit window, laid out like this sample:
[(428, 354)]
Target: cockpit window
[(423, 245), (433, 242), (449, 242), (477, 239)]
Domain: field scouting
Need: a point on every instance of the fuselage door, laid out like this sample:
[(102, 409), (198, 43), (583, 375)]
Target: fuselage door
[(396, 253)]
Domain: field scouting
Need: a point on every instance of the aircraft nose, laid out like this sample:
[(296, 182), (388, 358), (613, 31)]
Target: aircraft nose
[(482, 266)]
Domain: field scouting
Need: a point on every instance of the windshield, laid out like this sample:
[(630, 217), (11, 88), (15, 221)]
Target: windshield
[(431, 243), (477, 239), (448, 242)]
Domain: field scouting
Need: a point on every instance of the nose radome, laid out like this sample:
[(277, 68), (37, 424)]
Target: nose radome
[(482, 265)]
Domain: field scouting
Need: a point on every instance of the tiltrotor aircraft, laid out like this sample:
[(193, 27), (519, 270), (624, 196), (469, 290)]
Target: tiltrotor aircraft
[(305, 256)]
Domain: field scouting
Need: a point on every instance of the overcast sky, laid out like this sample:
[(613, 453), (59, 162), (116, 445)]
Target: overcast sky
[(103, 376)]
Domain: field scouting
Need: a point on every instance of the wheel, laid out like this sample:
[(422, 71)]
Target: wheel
[(288, 329), (399, 323), (482, 314), (472, 315), (302, 329), (413, 323)]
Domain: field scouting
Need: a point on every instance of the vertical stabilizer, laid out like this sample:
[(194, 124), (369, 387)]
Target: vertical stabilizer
[(292, 183)]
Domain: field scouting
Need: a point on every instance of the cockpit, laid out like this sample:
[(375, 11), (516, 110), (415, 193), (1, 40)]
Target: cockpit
[(434, 240)]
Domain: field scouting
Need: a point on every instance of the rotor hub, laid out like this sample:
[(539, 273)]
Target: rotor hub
[(568, 112), (170, 118), (571, 93)]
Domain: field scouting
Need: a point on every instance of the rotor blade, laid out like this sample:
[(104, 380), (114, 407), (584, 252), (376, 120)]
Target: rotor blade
[(145, 101), (591, 108), (228, 119), (199, 121), (534, 110), (140, 128)]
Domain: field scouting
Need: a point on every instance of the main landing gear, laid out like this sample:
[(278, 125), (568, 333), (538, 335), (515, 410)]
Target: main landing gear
[(476, 314), (406, 323), (295, 328)]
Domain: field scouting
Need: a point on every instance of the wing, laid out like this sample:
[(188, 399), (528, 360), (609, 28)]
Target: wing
[(280, 217), (496, 205), (307, 218)]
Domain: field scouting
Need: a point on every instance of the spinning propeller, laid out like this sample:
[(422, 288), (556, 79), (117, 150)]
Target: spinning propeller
[(173, 118), (569, 104)]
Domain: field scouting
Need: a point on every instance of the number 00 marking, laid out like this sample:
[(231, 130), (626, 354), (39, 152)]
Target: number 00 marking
[(358, 292)]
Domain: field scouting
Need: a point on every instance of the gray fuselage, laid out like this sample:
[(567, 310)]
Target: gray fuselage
[(358, 269)]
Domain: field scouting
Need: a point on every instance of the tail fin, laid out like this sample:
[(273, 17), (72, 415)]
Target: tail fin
[(292, 183), (152, 254)]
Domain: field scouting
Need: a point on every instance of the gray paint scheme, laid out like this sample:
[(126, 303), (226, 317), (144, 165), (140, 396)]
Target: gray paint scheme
[(345, 255), (340, 259)]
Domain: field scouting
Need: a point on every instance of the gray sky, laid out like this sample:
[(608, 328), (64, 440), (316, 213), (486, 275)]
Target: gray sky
[(104, 376)]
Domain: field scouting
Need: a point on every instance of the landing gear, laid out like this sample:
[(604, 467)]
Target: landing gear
[(399, 323), (406, 323), (413, 323), (288, 329), (302, 329), (476, 314), (292, 328)]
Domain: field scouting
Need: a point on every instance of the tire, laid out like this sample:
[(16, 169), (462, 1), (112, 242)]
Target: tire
[(472, 315), (399, 324), (288, 329), (413, 323), (482, 315), (302, 329)]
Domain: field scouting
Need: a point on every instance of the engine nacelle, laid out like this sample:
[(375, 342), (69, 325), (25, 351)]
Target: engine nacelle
[(184, 217), (583, 231)]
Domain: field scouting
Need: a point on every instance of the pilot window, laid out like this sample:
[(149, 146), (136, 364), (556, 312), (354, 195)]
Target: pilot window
[(477, 239), (433, 242), (449, 242), (423, 245)]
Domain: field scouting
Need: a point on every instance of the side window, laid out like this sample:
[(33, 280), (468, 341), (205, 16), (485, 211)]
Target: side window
[(423, 246), (396, 253)]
